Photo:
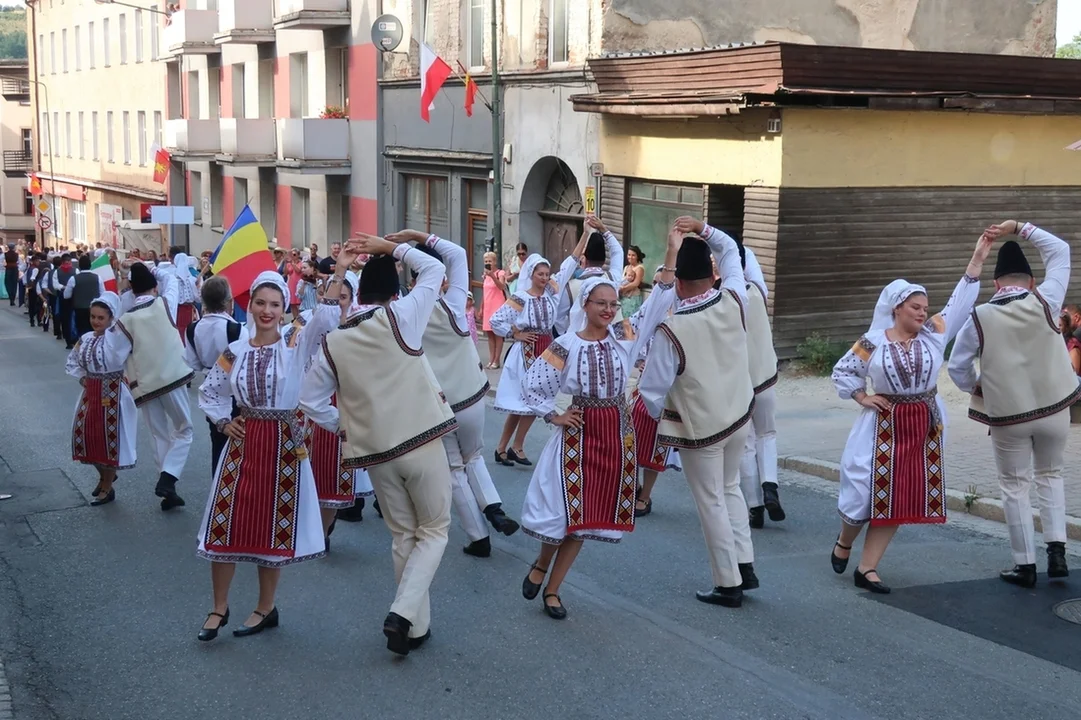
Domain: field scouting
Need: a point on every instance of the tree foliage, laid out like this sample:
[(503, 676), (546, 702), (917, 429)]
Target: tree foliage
[(13, 34), (1071, 50)]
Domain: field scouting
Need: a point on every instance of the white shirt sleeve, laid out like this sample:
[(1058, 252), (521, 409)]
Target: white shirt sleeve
[(457, 272), (167, 289), (615, 256), (216, 395), (316, 392), (962, 367), (1055, 254), (563, 306), (72, 366), (659, 375), (726, 253), (753, 272), (415, 309), (69, 288), (101, 286)]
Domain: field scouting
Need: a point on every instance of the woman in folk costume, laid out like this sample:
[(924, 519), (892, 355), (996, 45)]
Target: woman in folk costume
[(892, 468), (337, 487), (187, 293), (528, 316), (263, 506), (585, 480), (106, 422)]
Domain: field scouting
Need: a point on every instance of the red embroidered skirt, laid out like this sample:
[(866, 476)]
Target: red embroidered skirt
[(335, 485), (651, 454), (95, 434), (907, 484), (532, 351), (185, 315), (598, 467), (255, 492)]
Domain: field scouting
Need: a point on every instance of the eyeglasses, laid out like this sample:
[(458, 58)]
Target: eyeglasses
[(606, 305)]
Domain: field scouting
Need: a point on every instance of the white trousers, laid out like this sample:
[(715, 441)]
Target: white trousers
[(759, 463), (472, 488), (169, 421), (1027, 451), (713, 476), (414, 495)]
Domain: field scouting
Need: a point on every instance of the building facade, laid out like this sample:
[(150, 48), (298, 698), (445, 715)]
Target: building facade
[(98, 102), (17, 146)]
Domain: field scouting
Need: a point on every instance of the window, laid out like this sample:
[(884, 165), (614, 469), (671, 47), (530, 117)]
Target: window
[(105, 40), (196, 198), (109, 154), (476, 228), (94, 136), (28, 141), (476, 33), (123, 39), (217, 190), (82, 138), (653, 209), (426, 204), (91, 42), (557, 32), (45, 133), (240, 195), (78, 49), (138, 36), (125, 129), (157, 128), (67, 131), (302, 217), (64, 47), (52, 51), (41, 54), (28, 202), (76, 221), (56, 134), (142, 138), (153, 34)]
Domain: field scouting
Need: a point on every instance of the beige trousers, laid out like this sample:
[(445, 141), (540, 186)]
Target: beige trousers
[(414, 495), (759, 463), (1023, 453), (713, 476)]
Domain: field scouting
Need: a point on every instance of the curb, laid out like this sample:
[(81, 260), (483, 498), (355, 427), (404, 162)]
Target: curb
[(986, 508)]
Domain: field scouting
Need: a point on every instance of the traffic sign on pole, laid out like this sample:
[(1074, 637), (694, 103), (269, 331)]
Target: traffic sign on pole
[(44, 222), (44, 206)]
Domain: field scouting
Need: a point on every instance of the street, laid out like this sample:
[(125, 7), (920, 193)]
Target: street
[(99, 607)]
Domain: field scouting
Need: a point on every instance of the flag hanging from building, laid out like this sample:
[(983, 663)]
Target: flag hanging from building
[(35, 184), (433, 73), (104, 270), (470, 95), (161, 166), (242, 254)]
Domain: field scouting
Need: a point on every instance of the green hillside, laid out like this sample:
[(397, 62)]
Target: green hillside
[(13, 34)]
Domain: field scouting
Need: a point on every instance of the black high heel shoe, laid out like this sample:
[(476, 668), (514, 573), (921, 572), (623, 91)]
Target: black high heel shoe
[(514, 457), (270, 620), (208, 634), (530, 588), (839, 564), (501, 459), (874, 586), (104, 499)]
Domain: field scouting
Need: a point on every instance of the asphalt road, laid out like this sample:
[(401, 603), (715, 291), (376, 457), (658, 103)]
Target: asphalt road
[(99, 608)]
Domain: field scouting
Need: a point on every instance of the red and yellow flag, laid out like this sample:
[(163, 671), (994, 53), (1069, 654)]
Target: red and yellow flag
[(161, 166), (35, 184), (470, 95)]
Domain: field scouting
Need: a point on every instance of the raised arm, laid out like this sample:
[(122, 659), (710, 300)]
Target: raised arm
[(415, 309), (660, 302), (611, 245), (952, 317), (752, 272), (457, 272)]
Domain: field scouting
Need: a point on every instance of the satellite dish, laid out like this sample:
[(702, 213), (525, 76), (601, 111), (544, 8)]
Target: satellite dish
[(387, 33)]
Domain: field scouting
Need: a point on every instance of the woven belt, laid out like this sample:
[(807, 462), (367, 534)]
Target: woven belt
[(106, 377), (581, 401), (289, 417), (926, 398)]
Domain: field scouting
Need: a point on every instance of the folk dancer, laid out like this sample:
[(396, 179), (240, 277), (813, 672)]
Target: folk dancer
[(157, 376), (596, 245), (104, 430), (454, 359), (758, 468), (392, 413), (262, 507), (892, 468), (1023, 391), (585, 480), (528, 316), (187, 290), (698, 384)]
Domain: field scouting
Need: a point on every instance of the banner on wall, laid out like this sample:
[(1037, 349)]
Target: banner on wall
[(109, 217)]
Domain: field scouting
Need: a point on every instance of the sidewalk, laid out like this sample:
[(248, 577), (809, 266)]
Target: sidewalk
[(813, 425)]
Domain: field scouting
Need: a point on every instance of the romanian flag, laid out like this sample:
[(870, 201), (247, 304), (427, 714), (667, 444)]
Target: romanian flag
[(242, 254), (103, 269)]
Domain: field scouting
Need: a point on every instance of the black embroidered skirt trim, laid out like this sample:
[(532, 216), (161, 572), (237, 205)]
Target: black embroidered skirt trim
[(143, 399), (472, 399)]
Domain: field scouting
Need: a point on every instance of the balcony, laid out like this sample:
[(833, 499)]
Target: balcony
[(245, 22), (18, 162), (313, 146), (14, 88), (312, 14), (250, 142), (193, 140), (190, 32)]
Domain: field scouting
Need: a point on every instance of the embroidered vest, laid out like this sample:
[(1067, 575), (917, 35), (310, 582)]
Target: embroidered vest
[(760, 353), (1025, 370), (389, 401), (712, 396), (156, 365), (454, 359)]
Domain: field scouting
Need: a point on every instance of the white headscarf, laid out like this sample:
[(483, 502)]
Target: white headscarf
[(274, 279), (529, 266), (892, 296), (353, 282), (588, 286), (110, 301)]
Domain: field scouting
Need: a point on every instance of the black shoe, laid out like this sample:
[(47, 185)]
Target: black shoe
[(416, 642), (208, 634), (171, 501), (104, 499), (642, 512), (750, 580), (501, 459), (556, 612), (375, 504), (1021, 575), (773, 502), (530, 589), (756, 516), (97, 490), (270, 620), (326, 544), (1056, 560), (479, 548), (726, 596), (520, 459), (874, 586), (499, 520), (351, 514), (396, 628), (839, 564), (166, 490)]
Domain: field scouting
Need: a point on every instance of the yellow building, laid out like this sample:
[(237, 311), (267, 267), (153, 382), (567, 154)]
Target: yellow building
[(843, 168), (16, 143)]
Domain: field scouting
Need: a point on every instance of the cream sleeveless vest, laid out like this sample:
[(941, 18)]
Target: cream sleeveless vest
[(713, 396), (454, 359), (389, 401), (760, 353), (1025, 370), (156, 365)]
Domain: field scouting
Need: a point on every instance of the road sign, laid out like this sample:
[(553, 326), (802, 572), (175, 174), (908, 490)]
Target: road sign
[(44, 222), (591, 201), (43, 206)]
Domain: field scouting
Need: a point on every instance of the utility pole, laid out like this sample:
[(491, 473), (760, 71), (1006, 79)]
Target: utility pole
[(497, 140)]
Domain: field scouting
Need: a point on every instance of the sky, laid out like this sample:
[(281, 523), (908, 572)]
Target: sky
[(1069, 20)]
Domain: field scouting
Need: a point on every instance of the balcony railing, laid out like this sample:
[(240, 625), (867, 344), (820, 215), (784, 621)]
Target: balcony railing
[(313, 143), (248, 140), (18, 161), (190, 32), (193, 139), (14, 87)]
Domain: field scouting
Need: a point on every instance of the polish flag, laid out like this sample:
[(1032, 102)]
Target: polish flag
[(433, 73)]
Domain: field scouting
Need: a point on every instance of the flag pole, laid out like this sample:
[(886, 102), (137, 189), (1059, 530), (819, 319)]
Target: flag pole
[(497, 141)]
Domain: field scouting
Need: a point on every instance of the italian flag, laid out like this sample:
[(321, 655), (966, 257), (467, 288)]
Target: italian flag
[(104, 270)]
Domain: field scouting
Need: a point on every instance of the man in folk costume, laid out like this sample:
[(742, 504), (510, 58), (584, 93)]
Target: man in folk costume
[(157, 376), (392, 414), (453, 356), (1023, 391), (698, 384), (758, 470), (597, 243)]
